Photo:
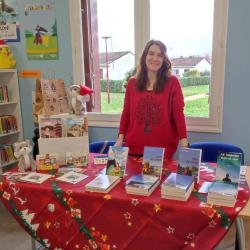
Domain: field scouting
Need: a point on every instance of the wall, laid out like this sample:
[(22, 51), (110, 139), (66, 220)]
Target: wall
[(236, 118), (62, 67)]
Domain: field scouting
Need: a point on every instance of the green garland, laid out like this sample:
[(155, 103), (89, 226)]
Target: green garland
[(225, 222), (60, 196), (19, 214)]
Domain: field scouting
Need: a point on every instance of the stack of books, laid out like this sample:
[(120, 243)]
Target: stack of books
[(177, 187), (115, 170), (147, 181), (223, 191)]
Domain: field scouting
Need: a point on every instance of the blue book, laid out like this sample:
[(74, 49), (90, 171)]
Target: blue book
[(220, 188), (228, 167), (178, 182), (189, 162)]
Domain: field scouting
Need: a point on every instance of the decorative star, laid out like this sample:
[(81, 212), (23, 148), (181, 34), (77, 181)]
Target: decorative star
[(69, 192), (6, 195), (219, 215), (104, 237), (114, 246), (107, 197), (129, 223), (237, 209), (85, 247), (135, 202), (47, 224), (127, 216), (170, 229), (192, 244), (157, 207), (77, 246), (191, 236), (212, 223)]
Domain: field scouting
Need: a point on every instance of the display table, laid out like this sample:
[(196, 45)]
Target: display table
[(65, 216)]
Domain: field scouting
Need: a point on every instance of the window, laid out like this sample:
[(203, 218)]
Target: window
[(145, 23)]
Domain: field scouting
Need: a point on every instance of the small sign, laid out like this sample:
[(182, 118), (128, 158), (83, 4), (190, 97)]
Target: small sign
[(30, 74)]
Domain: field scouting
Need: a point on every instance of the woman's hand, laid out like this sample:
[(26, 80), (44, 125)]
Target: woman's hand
[(184, 143), (119, 141)]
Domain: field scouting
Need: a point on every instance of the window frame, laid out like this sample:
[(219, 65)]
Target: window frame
[(211, 124)]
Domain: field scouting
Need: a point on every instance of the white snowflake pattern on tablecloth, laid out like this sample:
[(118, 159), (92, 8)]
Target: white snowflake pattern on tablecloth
[(135, 202), (170, 230)]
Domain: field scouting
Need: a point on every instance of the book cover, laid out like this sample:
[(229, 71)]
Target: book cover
[(51, 127), (35, 177), (141, 182), (77, 158), (76, 126), (152, 161), (189, 162), (228, 167), (102, 183), (47, 161), (178, 181), (224, 189), (72, 177), (117, 160)]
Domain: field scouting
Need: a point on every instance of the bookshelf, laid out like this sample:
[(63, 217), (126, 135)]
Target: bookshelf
[(9, 108)]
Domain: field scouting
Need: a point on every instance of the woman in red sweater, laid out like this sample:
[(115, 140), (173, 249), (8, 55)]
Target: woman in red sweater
[(153, 105)]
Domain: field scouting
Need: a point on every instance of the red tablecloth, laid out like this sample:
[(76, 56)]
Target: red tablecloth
[(64, 216)]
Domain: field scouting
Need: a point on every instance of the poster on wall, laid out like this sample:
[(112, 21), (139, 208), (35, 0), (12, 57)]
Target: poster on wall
[(9, 23), (40, 31)]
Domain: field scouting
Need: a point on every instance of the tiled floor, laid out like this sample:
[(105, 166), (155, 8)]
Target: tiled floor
[(13, 237)]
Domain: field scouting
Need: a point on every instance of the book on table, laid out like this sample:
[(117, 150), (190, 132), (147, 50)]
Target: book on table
[(177, 187), (72, 177), (148, 180), (35, 177), (117, 160), (102, 183), (189, 162), (223, 191)]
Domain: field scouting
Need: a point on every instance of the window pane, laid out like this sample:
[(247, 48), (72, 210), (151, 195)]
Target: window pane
[(116, 50), (186, 27)]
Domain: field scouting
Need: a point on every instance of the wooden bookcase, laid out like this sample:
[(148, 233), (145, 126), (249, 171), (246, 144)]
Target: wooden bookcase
[(8, 77)]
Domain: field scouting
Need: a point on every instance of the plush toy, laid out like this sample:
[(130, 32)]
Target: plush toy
[(22, 152), (79, 95), (6, 58)]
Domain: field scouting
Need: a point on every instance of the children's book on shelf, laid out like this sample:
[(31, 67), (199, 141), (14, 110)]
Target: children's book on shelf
[(117, 160), (177, 186), (146, 182), (223, 191), (46, 162), (102, 183), (77, 158), (72, 177), (35, 177), (51, 127), (76, 126), (189, 162)]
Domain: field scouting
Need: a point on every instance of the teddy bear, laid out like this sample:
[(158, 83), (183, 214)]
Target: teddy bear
[(22, 151), (79, 95)]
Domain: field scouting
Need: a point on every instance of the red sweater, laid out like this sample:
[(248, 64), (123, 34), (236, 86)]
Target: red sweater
[(153, 119)]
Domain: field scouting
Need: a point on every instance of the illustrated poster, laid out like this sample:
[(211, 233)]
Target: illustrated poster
[(40, 31), (9, 25)]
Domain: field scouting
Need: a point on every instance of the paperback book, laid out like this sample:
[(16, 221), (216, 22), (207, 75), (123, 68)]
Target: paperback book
[(72, 177), (35, 177), (46, 162), (77, 158), (76, 126), (117, 160), (189, 162), (51, 127), (146, 182), (102, 183), (223, 191), (177, 187)]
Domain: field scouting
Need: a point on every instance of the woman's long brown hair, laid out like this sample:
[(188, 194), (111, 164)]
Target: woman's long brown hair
[(162, 74)]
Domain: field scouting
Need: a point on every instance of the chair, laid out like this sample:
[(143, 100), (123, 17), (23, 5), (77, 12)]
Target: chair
[(210, 150), (101, 147)]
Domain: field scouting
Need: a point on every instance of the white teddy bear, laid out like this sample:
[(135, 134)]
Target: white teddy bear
[(79, 95), (22, 152)]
